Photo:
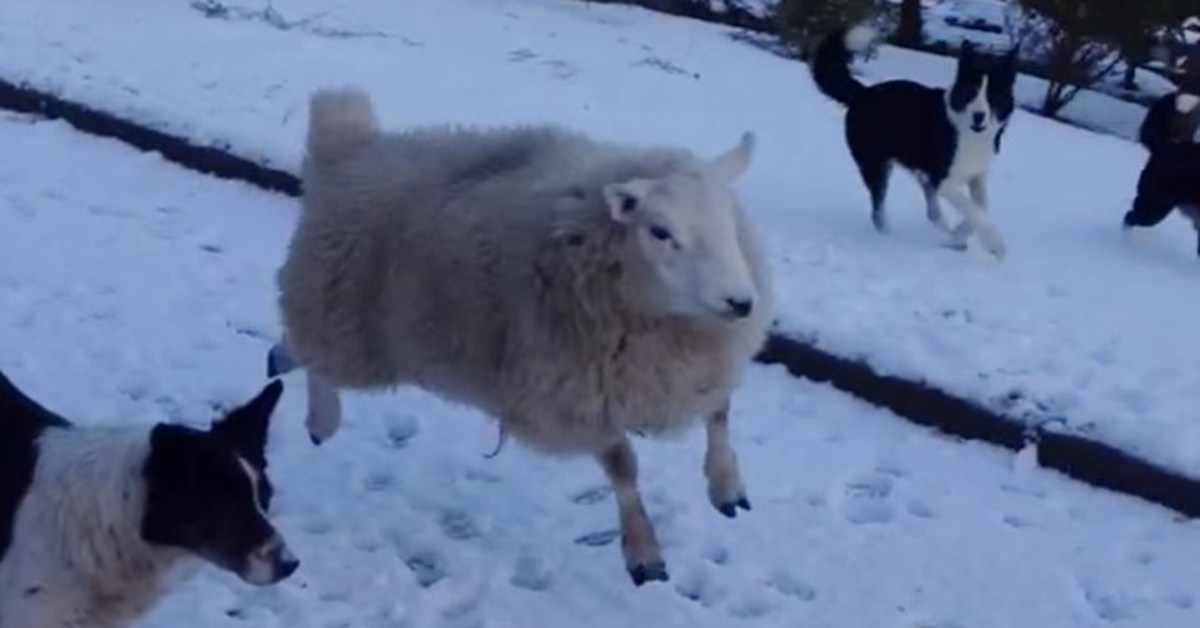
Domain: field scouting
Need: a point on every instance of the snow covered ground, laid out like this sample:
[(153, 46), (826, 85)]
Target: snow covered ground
[(133, 291), (1077, 325)]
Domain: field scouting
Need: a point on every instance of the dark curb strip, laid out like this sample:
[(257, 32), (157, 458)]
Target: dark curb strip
[(1081, 458)]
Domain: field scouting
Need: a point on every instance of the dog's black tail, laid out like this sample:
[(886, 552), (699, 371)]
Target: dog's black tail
[(830, 66), (1165, 120)]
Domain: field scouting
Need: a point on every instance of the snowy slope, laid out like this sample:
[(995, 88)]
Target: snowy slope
[(1076, 323), (132, 291)]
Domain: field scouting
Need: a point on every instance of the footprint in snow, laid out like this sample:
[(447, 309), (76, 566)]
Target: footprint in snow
[(1142, 557), (317, 527), (698, 586), (866, 499), (920, 509), (532, 573), (379, 481), (458, 525), (1110, 606), (717, 554), (891, 468), (426, 568), (751, 606), (1181, 600), (479, 475), (400, 430), (593, 495), (792, 586), (521, 54), (1018, 522), (598, 539)]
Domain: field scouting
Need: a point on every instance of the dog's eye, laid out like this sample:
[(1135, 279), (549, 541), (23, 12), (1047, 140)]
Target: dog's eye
[(660, 233)]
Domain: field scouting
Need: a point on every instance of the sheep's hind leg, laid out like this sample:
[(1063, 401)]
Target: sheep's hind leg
[(643, 556), (324, 408), (725, 489)]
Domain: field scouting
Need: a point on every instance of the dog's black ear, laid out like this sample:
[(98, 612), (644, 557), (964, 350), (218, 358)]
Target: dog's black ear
[(245, 428)]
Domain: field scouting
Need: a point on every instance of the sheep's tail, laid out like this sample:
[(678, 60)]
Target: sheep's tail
[(830, 66), (339, 121)]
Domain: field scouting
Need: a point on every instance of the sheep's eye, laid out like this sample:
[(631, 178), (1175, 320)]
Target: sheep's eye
[(660, 233)]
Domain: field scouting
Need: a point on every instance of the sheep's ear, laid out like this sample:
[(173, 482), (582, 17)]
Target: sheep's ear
[(625, 199), (727, 167)]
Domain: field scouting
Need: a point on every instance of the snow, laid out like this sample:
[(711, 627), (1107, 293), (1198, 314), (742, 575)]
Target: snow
[(1077, 326), (133, 291)]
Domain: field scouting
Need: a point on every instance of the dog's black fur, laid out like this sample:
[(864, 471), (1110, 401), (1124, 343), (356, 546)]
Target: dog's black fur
[(1165, 124), (22, 421), (1169, 180), (1171, 177), (905, 122)]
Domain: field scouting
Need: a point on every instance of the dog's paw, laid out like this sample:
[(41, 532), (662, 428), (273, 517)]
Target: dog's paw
[(993, 241)]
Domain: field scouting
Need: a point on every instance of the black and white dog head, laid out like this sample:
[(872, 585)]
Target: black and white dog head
[(208, 492), (981, 99)]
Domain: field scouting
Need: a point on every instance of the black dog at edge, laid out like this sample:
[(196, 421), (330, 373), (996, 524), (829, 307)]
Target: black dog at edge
[(1171, 177)]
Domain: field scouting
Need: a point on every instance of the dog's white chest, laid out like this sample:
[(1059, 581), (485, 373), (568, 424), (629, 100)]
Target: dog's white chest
[(973, 154)]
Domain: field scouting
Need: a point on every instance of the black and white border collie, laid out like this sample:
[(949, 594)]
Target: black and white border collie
[(94, 521), (946, 138), (1171, 177)]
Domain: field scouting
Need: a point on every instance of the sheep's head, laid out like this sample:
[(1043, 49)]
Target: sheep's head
[(685, 227)]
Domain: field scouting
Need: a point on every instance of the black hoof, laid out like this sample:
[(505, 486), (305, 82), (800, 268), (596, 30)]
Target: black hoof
[(279, 362), (730, 509), (316, 441), (649, 573)]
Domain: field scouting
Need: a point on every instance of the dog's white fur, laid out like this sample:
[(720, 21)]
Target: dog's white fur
[(973, 158), (77, 559), (1185, 102), (860, 37), (260, 568)]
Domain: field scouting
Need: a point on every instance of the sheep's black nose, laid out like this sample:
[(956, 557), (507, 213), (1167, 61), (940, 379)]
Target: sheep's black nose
[(979, 118), (739, 307)]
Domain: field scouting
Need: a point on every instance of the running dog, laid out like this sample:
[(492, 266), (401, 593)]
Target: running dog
[(1171, 177), (946, 138)]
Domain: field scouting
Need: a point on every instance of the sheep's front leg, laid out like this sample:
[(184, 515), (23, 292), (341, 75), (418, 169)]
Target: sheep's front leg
[(643, 556), (725, 489), (324, 408)]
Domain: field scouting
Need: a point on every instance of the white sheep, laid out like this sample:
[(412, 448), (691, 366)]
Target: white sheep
[(577, 291)]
